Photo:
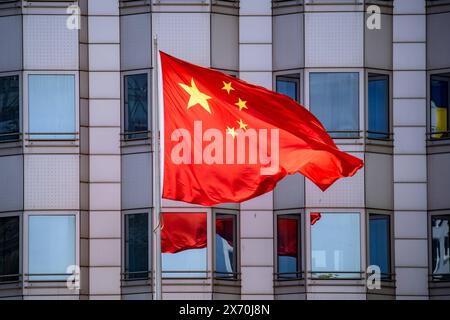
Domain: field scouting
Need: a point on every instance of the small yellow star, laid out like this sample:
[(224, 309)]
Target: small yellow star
[(242, 125), (227, 86), (231, 131), (197, 97), (241, 104)]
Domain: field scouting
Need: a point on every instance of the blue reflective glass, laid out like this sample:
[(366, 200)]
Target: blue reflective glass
[(184, 264), (289, 86), (334, 100), (378, 100), (335, 246), (9, 107), (379, 243), (225, 249), (51, 100), (136, 105), (51, 246), (136, 246)]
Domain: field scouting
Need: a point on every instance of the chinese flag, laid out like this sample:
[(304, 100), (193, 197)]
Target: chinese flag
[(183, 231), (226, 140)]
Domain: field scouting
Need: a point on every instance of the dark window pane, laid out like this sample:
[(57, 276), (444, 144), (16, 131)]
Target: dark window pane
[(289, 85), (378, 99), (288, 246), (379, 243), (334, 100), (440, 247), (136, 246), (9, 249), (9, 108), (439, 106), (225, 246), (136, 106)]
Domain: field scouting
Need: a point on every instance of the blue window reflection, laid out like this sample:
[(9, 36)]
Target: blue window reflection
[(334, 100), (136, 106), (378, 100), (184, 264), (9, 108), (225, 246), (136, 246), (51, 246), (379, 243), (51, 101), (289, 85)]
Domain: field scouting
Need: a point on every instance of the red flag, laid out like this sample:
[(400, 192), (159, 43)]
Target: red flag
[(225, 228), (287, 239), (226, 140), (183, 231)]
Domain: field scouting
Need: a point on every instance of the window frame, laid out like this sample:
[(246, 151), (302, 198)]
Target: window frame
[(26, 111), (443, 213), (236, 237), (390, 274), (445, 74), (390, 109), (286, 74), (146, 136), (21, 236), (21, 90)]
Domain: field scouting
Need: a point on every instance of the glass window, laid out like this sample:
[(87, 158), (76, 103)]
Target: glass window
[(288, 246), (334, 100), (183, 245), (51, 246), (439, 92), (440, 247), (9, 108), (289, 85), (136, 106), (9, 249), (379, 243), (335, 246), (51, 100), (226, 257), (136, 246), (378, 99)]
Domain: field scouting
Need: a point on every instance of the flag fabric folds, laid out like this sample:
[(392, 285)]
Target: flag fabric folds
[(226, 140), (183, 231)]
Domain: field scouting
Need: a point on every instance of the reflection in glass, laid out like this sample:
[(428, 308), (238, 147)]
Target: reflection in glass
[(136, 106), (379, 242), (225, 246), (440, 247), (288, 246), (9, 249), (51, 246), (289, 85), (440, 86), (136, 246), (335, 246), (378, 99), (9, 108)]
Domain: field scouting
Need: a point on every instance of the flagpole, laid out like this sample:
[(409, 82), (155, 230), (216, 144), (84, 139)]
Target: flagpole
[(156, 172)]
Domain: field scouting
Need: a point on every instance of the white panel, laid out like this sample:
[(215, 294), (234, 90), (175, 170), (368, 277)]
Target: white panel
[(334, 39), (346, 192), (225, 41), (412, 281), (409, 56), (136, 180), (255, 57), (52, 182), (11, 185), (48, 44), (104, 196), (262, 202), (104, 252), (290, 192), (255, 7), (104, 84), (410, 168), (104, 280), (409, 28), (104, 113), (256, 224), (185, 36), (410, 224), (104, 141), (410, 112), (255, 29), (252, 255), (263, 79), (104, 224), (257, 280), (379, 177), (99, 7), (136, 41), (11, 40), (288, 41), (439, 181), (438, 42), (404, 248), (104, 30), (409, 84), (104, 168), (409, 6), (104, 57), (410, 196), (409, 140)]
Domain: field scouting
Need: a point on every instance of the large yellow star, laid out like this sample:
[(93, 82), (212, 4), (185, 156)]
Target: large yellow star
[(197, 97), (241, 104), (231, 131), (227, 86), (242, 124)]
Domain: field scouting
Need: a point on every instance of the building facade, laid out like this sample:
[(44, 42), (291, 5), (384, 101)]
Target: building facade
[(76, 153)]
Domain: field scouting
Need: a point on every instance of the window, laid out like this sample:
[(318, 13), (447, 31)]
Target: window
[(288, 246), (9, 249), (183, 245), (289, 85), (439, 92), (51, 100), (51, 246), (378, 100), (226, 257), (335, 245), (9, 108), (136, 106), (440, 247), (136, 246), (334, 100), (379, 243)]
